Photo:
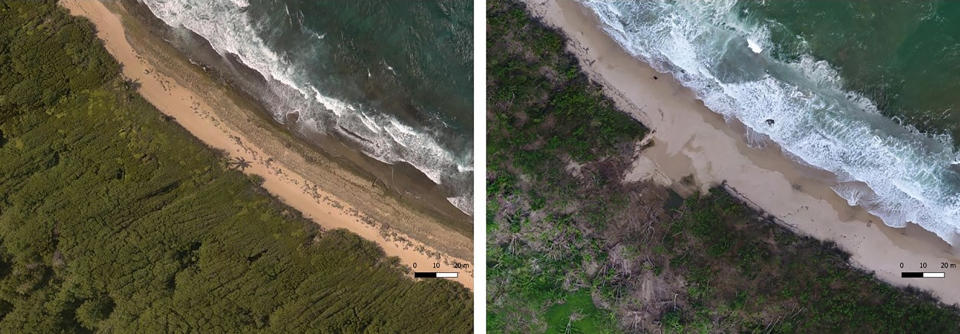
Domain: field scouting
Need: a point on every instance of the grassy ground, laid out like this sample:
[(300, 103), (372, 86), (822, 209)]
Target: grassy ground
[(113, 218), (572, 247), (577, 314)]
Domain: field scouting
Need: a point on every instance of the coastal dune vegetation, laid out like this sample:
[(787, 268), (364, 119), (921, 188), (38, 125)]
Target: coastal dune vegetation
[(113, 218), (572, 248)]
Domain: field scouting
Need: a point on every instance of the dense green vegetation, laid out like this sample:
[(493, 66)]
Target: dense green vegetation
[(112, 218), (572, 248), (544, 114)]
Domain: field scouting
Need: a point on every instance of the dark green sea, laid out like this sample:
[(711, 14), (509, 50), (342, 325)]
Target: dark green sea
[(862, 89), (393, 78), (903, 55)]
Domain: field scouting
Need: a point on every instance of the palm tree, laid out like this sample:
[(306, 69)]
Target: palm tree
[(239, 163)]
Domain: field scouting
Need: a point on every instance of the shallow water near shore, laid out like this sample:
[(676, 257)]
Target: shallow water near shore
[(739, 62), (393, 79)]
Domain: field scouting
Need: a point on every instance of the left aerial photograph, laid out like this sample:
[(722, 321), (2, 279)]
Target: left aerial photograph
[(236, 166)]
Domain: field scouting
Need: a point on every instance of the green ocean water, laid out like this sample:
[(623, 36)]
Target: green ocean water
[(412, 58), (903, 55)]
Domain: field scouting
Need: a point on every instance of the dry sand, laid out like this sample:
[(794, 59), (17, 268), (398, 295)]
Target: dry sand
[(212, 125), (689, 139)]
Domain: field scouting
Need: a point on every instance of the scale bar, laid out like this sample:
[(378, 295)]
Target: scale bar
[(422, 274), (917, 274)]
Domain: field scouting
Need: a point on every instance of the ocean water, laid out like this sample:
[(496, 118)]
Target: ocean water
[(862, 90), (392, 78)]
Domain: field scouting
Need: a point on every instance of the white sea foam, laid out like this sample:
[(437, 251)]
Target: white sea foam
[(241, 3), (461, 202), (754, 46), (229, 30), (893, 171)]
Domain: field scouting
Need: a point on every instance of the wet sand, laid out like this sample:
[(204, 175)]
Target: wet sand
[(690, 141), (206, 109)]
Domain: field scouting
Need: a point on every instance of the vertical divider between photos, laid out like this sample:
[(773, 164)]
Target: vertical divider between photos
[(480, 165)]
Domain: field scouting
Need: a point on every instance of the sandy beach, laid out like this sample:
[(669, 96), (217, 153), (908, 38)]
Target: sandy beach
[(690, 140), (323, 191)]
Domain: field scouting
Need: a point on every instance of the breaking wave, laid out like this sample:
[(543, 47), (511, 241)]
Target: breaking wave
[(225, 25)]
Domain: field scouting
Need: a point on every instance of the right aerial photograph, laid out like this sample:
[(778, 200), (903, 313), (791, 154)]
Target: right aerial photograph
[(723, 166)]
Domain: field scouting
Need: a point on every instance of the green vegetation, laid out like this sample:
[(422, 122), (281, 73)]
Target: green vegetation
[(544, 114), (112, 218), (569, 243), (577, 314), (754, 274)]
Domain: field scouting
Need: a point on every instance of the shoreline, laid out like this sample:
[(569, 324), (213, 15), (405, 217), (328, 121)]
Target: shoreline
[(321, 188), (691, 141), (403, 180)]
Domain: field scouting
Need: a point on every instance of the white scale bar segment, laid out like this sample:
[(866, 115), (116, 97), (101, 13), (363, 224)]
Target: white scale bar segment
[(446, 275), (934, 275)]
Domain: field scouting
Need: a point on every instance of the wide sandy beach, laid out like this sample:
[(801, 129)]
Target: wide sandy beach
[(206, 109), (690, 140)]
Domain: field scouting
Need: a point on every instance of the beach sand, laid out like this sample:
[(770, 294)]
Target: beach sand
[(316, 187), (690, 140)]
